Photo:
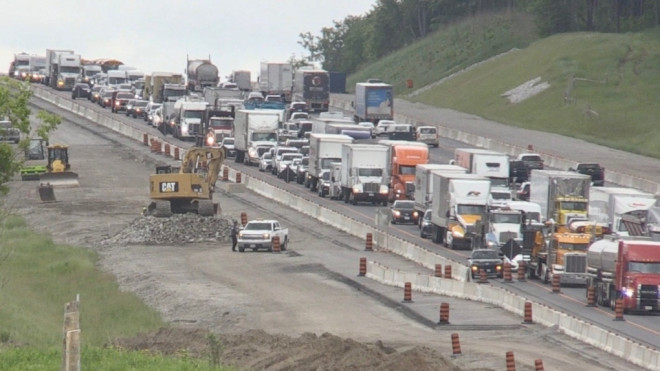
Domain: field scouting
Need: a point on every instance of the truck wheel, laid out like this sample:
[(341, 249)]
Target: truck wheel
[(449, 240), (546, 276), (286, 242), (241, 249), (436, 234)]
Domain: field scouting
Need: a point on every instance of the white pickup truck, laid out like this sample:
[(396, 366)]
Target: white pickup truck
[(259, 234)]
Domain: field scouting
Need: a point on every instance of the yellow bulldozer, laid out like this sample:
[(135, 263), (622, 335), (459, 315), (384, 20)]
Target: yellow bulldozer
[(188, 189), (58, 170)]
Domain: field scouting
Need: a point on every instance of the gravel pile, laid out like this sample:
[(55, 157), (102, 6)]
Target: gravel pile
[(177, 229)]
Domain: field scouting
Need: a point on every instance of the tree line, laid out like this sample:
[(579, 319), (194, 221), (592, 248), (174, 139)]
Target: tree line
[(392, 24)]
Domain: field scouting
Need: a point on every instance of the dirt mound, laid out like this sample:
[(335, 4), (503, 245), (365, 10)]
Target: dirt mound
[(258, 350)]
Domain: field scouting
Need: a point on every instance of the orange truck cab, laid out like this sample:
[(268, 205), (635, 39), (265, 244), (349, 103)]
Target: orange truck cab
[(403, 158)]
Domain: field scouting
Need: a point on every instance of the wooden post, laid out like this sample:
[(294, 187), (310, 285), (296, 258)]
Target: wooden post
[(71, 340)]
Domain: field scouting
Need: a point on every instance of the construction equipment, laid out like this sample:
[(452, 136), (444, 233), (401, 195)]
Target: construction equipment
[(188, 189), (32, 168), (58, 170)]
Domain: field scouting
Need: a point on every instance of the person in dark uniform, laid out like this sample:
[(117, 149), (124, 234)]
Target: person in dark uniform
[(234, 236)]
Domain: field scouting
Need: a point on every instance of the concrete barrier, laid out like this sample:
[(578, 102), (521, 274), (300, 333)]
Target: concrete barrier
[(458, 287), (589, 333)]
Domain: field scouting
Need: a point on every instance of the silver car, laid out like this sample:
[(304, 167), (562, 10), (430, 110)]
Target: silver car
[(266, 161)]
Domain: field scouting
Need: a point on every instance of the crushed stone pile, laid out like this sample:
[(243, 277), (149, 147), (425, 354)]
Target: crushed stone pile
[(177, 229)]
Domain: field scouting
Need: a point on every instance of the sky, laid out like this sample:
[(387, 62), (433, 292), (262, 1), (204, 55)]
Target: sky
[(158, 35)]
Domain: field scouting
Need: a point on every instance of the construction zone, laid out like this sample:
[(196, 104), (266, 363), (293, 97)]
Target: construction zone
[(55, 173)]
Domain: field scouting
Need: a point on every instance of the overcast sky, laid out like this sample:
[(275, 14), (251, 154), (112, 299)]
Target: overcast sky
[(156, 35)]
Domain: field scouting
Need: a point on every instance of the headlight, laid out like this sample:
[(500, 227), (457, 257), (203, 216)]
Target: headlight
[(474, 268), (457, 234), (629, 292), (210, 141), (498, 267), (384, 190), (60, 83), (117, 103), (357, 188), (266, 236), (396, 213), (240, 234), (557, 268), (415, 214)]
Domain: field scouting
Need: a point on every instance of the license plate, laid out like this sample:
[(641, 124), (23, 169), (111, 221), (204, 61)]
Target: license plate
[(648, 307), (406, 217), (371, 194), (253, 245), (488, 270)]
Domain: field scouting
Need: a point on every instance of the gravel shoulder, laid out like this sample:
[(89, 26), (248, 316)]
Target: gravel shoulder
[(295, 310)]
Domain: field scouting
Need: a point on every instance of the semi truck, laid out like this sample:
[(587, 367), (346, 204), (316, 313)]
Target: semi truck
[(20, 67), (201, 73), (459, 205), (628, 269), (242, 79), (364, 173), (188, 116), (609, 204), (38, 69), (157, 89), (423, 193), (252, 127), (564, 255), (57, 75), (491, 164), (404, 156), (562, 195), (324, 149), (373, 102), (89, 71), (276, 79), (312, 87)]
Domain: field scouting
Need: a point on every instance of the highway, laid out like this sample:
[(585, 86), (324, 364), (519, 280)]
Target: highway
[(644, 329)]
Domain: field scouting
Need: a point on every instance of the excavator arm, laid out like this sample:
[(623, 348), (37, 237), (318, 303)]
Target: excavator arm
[(204, 160)]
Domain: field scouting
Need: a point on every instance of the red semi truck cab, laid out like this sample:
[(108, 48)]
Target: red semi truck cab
[(627, 269)]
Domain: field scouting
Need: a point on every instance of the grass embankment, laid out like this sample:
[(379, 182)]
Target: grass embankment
[(603, 87), (38, 277)]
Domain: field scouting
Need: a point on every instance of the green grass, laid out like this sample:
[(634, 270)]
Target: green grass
[(37, 279), (613, 101), (100, 359)]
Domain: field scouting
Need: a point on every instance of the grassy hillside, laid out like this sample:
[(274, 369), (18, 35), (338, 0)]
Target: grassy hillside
[(449, 50), (610, 80)]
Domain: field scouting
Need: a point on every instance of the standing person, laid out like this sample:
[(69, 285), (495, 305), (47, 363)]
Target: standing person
[(234, 236)]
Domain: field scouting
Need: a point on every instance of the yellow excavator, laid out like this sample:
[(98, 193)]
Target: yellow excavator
[(188, 189)]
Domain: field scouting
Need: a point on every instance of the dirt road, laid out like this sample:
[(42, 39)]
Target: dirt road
[(295, 310)]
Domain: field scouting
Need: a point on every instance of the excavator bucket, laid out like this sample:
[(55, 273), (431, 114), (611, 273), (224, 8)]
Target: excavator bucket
[(66, 179), (46, 192)]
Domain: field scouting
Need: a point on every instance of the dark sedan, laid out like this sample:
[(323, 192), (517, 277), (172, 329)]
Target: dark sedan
[(81, 90), (488, 260), (136, 107), (403, 212)]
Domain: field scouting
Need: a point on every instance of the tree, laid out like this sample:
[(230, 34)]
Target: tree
[(14, 98)]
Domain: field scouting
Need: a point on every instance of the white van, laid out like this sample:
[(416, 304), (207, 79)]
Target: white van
[(428, 135)]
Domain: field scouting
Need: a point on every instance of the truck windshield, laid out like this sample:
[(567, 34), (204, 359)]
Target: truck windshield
[(506, 218), (326, 163), (257, 227), (193, 114), (264, 137), (370, 172), (407, 170), (574, 246), (471, 209), (573, 205), (65, 69), (640, 267)]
